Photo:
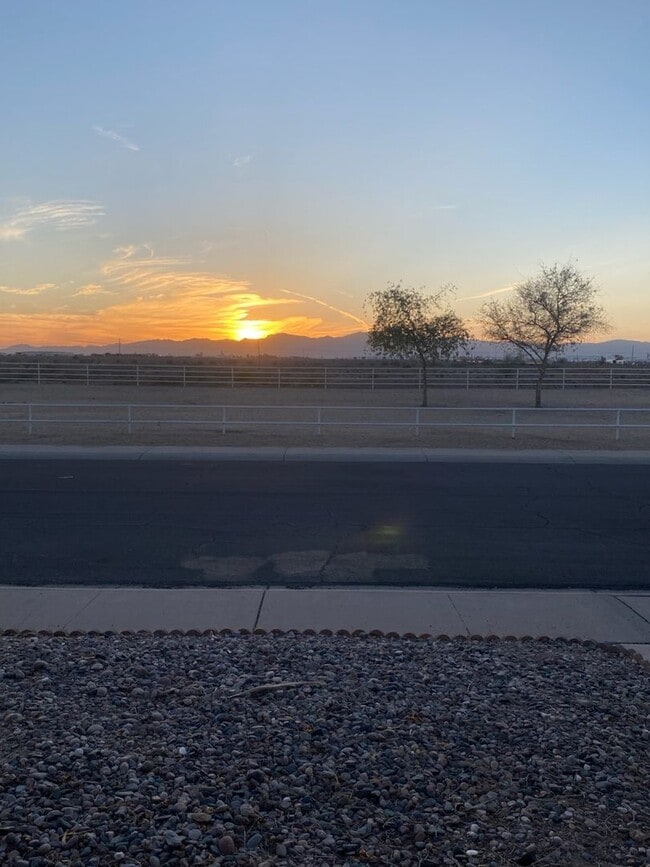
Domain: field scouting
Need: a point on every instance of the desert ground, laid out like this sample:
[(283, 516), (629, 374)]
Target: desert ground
[(257, 404)]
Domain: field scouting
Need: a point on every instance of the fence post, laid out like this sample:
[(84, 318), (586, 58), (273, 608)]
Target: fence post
[(417, 421), (514, 423), (618, 424), (517, 379), (87, 374), (467, 380), (137, 374), (563, 377), (372, 379), (223, 421), (611, 378), (38, 374), (232, 377), (29, 420), (184, 377), (129, 418), (279, 382), (318, 417), (325, 384)]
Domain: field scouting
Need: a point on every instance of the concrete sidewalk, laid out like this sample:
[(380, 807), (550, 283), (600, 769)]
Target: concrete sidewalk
[(621, 618)]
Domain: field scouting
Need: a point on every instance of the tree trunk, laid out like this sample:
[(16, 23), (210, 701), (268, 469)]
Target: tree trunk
[(538, 386), (424, 382)]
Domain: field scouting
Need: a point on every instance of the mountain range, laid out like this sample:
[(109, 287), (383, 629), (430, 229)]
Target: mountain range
[(294, 346)]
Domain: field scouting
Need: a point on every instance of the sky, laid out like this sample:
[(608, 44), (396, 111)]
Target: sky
[(234, 169)]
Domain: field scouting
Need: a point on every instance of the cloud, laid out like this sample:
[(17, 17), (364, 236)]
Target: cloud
[(33, 290), (487, 294), (114, 136), (345, 313), (9, 232), (60, 214), (91, 289), (244, 160), (445, 207)]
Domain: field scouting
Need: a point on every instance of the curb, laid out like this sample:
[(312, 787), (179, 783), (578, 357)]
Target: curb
[(613, 648), (289, 454)]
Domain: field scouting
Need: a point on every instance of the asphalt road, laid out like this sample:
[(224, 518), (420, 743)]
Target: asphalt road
[(186, 523)]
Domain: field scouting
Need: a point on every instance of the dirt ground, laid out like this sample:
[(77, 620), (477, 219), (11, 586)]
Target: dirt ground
[(385, 405)]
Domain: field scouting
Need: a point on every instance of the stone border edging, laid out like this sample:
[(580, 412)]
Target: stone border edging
[(613, 648)]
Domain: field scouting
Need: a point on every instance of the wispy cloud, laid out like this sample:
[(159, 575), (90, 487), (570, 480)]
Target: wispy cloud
[(32, 290), (60, 214), (338, 310), (244, 160), (169, 299), (115, 136), (487, 294), (91, 289)]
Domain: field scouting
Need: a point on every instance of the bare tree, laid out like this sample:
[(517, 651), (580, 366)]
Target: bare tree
[(555, 309), (409, 324)]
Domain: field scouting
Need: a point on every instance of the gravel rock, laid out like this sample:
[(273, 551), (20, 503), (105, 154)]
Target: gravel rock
[(383, 751), (227, 845)]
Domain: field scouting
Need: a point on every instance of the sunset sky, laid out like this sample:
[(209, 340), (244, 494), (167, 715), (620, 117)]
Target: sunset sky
[(233, 169)]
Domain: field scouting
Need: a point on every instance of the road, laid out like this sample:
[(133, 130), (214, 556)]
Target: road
[(448, 524)]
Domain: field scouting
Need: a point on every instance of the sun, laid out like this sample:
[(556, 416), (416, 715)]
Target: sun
[(250, 330)]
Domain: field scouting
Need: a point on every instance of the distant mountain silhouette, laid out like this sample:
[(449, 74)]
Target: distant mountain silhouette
[(288, 345), (295, 346)]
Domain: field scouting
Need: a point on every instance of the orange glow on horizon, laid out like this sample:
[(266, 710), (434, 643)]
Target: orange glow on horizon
[(138, 297)]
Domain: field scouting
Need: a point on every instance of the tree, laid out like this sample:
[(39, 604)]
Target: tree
[(555, 309), (407, 324)]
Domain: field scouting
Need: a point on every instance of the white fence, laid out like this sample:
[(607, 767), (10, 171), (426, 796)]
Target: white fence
[(223, 418), (362, 377)]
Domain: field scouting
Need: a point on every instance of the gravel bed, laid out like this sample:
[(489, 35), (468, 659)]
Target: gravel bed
[(320, 750)]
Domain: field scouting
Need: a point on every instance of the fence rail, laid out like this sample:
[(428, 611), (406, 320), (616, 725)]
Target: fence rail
[(223, 418), (362, 377)]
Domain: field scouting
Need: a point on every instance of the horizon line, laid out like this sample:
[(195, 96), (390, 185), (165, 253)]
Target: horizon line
[(256, 341)]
